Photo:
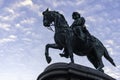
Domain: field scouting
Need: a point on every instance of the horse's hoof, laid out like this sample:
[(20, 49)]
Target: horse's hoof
[(48, 59), (101, 70), (72, 62), (63, 55)]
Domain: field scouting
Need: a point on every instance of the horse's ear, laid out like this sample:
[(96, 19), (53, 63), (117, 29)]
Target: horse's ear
[(47, 9), (43, 13)]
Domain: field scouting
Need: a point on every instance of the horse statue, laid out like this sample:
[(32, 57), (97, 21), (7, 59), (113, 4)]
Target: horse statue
[(66, 39)]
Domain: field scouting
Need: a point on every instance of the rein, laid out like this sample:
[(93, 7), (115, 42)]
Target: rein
[(50, 28)]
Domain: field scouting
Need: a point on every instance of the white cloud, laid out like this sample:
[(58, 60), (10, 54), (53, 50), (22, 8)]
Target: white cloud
[(28, 21), (94, 8), (25, 29), (9, 17), (10, 38), (10, 10), (29, 4), (79, 2), (36, 8), (5, 26), (13, 11), (22, 3), (110, 42), (91, 19), (109, 45), (114, 73), (81, 11), (114, 21), (91, 10), (110, 50), (27, 39), (26, 3), (18, 25), (56, 3)]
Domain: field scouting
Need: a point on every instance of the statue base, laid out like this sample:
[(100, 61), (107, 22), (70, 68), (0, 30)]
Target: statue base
[(70, 71)]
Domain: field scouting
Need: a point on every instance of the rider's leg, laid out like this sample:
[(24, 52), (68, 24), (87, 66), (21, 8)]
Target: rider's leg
[(65, 53), (69, 46)]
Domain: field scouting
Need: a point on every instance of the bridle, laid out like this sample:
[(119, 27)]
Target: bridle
[(50, 28)]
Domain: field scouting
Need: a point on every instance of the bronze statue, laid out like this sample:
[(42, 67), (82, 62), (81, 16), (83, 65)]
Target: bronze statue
[(65, 38)]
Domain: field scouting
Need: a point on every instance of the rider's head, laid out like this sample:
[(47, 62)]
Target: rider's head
[(75, 15)]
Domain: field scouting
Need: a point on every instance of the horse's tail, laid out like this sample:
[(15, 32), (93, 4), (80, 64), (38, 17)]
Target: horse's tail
[(107, 56)]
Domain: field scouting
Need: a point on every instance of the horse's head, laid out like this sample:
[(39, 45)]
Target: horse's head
[(48, 18)]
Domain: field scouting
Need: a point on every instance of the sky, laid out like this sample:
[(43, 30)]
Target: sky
[(23, 36)]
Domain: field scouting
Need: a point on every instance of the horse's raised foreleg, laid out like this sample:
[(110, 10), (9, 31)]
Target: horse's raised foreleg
[(55, 46)]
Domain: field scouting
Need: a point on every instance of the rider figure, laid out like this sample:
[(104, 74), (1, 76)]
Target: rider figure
[(79, 22)]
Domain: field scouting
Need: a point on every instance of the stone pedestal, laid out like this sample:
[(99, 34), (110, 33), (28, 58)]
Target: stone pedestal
[(65, 71)]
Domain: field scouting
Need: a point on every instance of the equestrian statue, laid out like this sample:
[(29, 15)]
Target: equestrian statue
[(74, 39)]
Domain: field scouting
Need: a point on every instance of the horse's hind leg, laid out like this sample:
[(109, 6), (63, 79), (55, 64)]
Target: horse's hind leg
[(99, 53), (101, 65), (92, 59), (55, 46)]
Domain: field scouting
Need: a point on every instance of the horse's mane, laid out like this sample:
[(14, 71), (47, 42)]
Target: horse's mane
[(63, 18), (59, 14)]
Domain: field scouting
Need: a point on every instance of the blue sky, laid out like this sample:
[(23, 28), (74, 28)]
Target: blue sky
[(23, 36)]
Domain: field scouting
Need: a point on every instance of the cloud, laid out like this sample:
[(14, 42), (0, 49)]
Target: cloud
[(27, 39), (5, 26), (9, 14), (91, 19), (81, 11), (37, 8), (110, 42), (22, 3), (109, 45), (114, 21), (26, 3), (61, 3), (10, 10), (79, 2), (28, 21), (18, 25), (29, 5), (114, 73), (94, 8), (13, 11), (10, 38), (55, 3)]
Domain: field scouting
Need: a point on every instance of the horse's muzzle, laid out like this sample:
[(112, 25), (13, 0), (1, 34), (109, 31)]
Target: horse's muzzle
[(46, 24)]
